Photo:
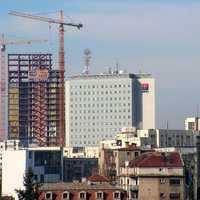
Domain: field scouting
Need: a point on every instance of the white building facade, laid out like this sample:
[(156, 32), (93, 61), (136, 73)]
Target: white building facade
[(97, 106), (46, 163), (192, 123), (152, 138), (14, 165)]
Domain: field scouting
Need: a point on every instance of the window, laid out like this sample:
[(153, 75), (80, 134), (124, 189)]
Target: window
[(30, 155), (175, 196), (42, 178), (36, 178), (116, 195), (191, 125), (127, 181), (48, 195), (174, 181), (99, 195), (82, 195), (65, 195), (162, 195), (162, 181), (136, 154)]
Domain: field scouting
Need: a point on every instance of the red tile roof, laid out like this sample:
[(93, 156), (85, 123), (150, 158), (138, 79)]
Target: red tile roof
[(157, 159), (98, 178)]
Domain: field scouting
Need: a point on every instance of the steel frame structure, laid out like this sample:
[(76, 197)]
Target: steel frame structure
[(33, 111)]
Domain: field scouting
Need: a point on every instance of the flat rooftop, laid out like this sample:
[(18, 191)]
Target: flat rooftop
[(110, 75)]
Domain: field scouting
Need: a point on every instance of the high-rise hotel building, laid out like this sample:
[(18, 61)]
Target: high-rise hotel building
[(98, 106)]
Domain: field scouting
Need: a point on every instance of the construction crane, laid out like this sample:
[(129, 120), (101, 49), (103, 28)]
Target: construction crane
[(61, 61), (3, 75)]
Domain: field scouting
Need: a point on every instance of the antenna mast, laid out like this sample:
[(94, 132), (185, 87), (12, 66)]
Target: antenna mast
[(87, 54)]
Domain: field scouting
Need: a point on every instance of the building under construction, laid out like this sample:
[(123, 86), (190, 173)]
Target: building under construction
[(33, 99)]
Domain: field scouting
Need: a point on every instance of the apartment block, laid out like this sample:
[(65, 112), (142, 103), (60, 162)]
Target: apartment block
[(154, 176)]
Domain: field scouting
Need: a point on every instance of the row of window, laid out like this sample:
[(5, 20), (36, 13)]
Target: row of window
[(77, 117), (100, 124), (99, 86), (172, 196), (101, 93), (100, 99), (99, 105), (111, 112), (92, 136), (82, 195), (172, 181), (85, 143), (176, 140)]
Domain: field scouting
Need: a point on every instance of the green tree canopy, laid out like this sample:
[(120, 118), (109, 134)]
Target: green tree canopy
[(31, 187)]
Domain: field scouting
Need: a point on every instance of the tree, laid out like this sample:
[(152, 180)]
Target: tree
[(31, 191)]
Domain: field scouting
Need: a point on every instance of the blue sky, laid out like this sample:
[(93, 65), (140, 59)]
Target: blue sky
[(154, 36)]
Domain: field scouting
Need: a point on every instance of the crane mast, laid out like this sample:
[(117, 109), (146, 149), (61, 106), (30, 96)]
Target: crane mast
[(62, 82), (2, 90), (61, 61)]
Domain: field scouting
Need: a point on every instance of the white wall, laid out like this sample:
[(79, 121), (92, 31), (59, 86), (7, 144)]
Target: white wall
[(67, 113), (13, 170), (148, 104)]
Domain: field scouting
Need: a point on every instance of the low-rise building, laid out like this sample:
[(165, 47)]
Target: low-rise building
[(94, 189), (110, 160), (154, 176), (152, 138), (81, 152), (189, 156), (48, 164)]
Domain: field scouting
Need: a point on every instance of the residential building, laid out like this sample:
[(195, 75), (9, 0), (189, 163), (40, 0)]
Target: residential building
[(110, 160), (33, 104), (91, 190), (190, 157), (97, 106), (154, 176)]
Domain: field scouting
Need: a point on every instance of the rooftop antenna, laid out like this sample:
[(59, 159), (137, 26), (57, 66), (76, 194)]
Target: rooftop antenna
[(116, 70), (87, 54), (197, 110), (109, 70), (167, 124), (197, 117)]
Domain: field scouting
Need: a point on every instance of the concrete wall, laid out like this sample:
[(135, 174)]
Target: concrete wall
[(152, 188)]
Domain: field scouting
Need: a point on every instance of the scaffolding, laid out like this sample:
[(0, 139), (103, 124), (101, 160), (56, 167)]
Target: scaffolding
[(33, 111)]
